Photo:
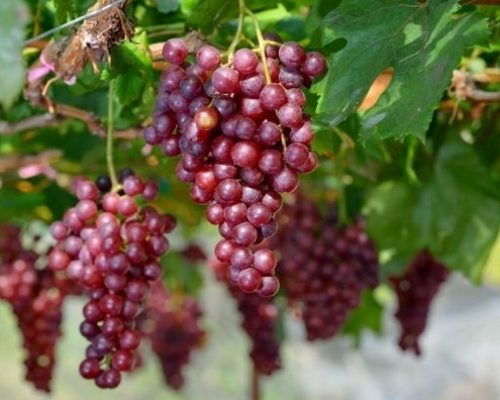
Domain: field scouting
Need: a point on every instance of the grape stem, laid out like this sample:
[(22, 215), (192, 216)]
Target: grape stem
[(109, 137), (239, 31), (262, 45), (255, 385), (410, 158), (340, 162)]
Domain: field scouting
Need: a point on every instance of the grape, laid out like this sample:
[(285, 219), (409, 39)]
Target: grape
[(291, 54), (175, 51), (208, 57), (173, 330), (245, 61), (245, 154), (273, 96), (115, 257), (259, 316), (36, 297), (243, 141), (416, 289), (314, 64), (324, 268), (252, 86), (225, 80)]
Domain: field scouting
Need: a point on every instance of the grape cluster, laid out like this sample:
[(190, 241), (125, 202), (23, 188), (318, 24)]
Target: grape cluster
[(111, 245), (171, 323), (243, 139), (36, 297), (259, 321), (323, 268), (415, 290), (193, 253)]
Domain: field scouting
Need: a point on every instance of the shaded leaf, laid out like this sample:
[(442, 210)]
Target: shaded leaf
[(368, 315), (455, 214), (167, 6), (13, 16), (64, 9)]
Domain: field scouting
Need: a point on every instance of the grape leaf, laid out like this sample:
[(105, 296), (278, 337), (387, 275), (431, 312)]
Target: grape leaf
[(64, 9), (207, 14), (13, 16), (129, 87), (132, 67), (167, 6), (368, 315), (422, 42), (455, 214)]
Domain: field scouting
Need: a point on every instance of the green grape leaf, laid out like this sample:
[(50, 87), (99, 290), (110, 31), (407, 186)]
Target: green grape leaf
[(16, 204), (132, 67), (64, 9), (129, 87), (455, 214), (13, 17), (422, 42), (167, 6), (208, 14), (180, 274), (368, 315)]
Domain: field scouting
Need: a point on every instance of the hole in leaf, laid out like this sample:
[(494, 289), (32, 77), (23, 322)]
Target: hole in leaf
[(378, 87)]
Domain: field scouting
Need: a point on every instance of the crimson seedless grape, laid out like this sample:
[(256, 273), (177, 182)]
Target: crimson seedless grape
[(243, 139), (111, 245), (36, 296), (416, 289), (171, 323), (324, 267)]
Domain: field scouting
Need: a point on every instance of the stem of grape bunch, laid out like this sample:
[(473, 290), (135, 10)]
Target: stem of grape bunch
[(255, 384), (109, 137), (261, 43), (239, 31)]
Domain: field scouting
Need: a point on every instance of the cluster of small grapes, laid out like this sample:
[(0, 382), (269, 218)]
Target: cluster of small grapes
[(36, 297), (415, 290), (171, 324), (193, 253), (110, 245), (243, 137), (259, 321), (323, 268), (39, 320)]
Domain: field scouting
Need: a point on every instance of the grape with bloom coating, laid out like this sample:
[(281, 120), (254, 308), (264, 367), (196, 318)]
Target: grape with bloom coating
[(111, 246), (243, 141)]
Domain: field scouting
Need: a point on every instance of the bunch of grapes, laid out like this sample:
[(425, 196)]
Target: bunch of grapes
[(171, 323), (324, 268), (259, 321), (110, 244), (36, 297), (243, 138), (415, 290), (193, 253)]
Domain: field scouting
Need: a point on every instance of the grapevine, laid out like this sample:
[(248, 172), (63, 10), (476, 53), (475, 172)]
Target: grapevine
[(329, 161)]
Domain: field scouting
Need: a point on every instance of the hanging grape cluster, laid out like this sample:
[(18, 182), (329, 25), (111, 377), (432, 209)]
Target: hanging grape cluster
[(416, 289), (259, 321), (323, 268), (36, 296), (110, 244), (172, 324), (243, 138)]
